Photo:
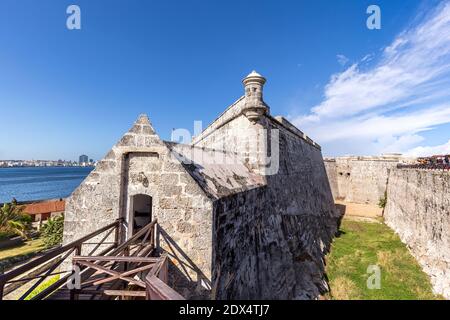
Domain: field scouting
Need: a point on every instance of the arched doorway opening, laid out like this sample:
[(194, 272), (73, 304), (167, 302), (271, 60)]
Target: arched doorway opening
[(140, 212)]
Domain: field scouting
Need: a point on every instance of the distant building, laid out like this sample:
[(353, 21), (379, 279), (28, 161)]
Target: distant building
[(42, 211), (83, 159)]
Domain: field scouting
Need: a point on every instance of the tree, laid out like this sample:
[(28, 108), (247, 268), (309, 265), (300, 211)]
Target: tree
[(52, 231), (13, 220)]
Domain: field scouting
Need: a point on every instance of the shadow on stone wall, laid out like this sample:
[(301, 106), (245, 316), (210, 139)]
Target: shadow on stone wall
[(341, 208), (180, 272), (263, 252)]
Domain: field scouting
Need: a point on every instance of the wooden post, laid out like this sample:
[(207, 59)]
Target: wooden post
[(152, 237), (157, 236), (2, 286), (126, 253), (40, 221), (164, 272), (78, 250), (117, 233)]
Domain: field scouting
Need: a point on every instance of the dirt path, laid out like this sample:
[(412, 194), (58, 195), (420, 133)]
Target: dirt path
[(360, 212)]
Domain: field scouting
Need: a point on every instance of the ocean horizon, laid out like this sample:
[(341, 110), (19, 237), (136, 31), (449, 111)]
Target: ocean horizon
[(40, 183)]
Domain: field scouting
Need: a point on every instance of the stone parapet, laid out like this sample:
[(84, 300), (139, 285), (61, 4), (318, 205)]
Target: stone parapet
[(418, 210)]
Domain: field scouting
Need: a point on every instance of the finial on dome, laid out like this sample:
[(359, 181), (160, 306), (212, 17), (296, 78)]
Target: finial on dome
[(254, 77)]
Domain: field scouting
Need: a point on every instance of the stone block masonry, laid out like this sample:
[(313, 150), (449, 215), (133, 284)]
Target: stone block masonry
[(141, 164), (270, 242), (359, 179), (418, 209), (231, 229)]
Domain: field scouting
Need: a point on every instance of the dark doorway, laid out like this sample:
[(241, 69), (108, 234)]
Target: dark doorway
[(141, 209)]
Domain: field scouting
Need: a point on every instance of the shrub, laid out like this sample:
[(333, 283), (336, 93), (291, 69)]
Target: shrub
[(382, 202), (52, 231), (5, 235), (13, 220)]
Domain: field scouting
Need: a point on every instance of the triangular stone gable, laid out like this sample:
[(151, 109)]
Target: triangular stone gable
[(141, 134), (100, 190), (142, 138)]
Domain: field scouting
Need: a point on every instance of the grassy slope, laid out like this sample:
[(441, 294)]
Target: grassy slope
[(27, 248), (362, 244)]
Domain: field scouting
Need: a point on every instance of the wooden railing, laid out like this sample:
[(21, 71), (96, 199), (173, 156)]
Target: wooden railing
[(122, 270), (118, 270), (156, 282), (129, 272), (45, 266)]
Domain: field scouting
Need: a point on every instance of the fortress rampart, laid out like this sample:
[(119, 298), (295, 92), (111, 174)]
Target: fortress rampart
[(255, 227), (418, 209), (359, 179)]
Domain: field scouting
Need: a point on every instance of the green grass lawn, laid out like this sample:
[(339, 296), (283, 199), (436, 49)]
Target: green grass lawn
[(362, 244), (22, 250), (44, 285), (23, 253)]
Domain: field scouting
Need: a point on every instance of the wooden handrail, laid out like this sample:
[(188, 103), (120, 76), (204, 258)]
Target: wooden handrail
[(115, 259), (50, 255), (155, 282), (143, 241), (158, 290), (75, 245), (136, 236)]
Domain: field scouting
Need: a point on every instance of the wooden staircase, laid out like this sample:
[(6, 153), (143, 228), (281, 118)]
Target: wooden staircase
[(101, 270)]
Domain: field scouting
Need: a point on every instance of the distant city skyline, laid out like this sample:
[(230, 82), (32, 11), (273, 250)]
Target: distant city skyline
[(44, 163), (83, 159), (67, 160), (353, 90), (76, 159)]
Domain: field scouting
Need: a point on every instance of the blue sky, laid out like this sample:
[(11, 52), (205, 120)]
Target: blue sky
[(354, 90)]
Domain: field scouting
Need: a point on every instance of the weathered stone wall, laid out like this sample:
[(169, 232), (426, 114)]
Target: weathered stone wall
[(239, 136), (270, 242), (265, 236), (331, 169), (359, 179), (418, 209), (232, 112), (293, 210), (141, 164)]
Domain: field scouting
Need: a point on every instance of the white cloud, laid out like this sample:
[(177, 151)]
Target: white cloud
[(342, 60), (385, 107), (430, 150), (367, 57)]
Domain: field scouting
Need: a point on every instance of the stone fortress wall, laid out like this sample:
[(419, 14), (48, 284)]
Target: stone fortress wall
[(255, 228), (360, 179), (418, 210), (270, 242), (141, 164), (418, 206), (274, 239)]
